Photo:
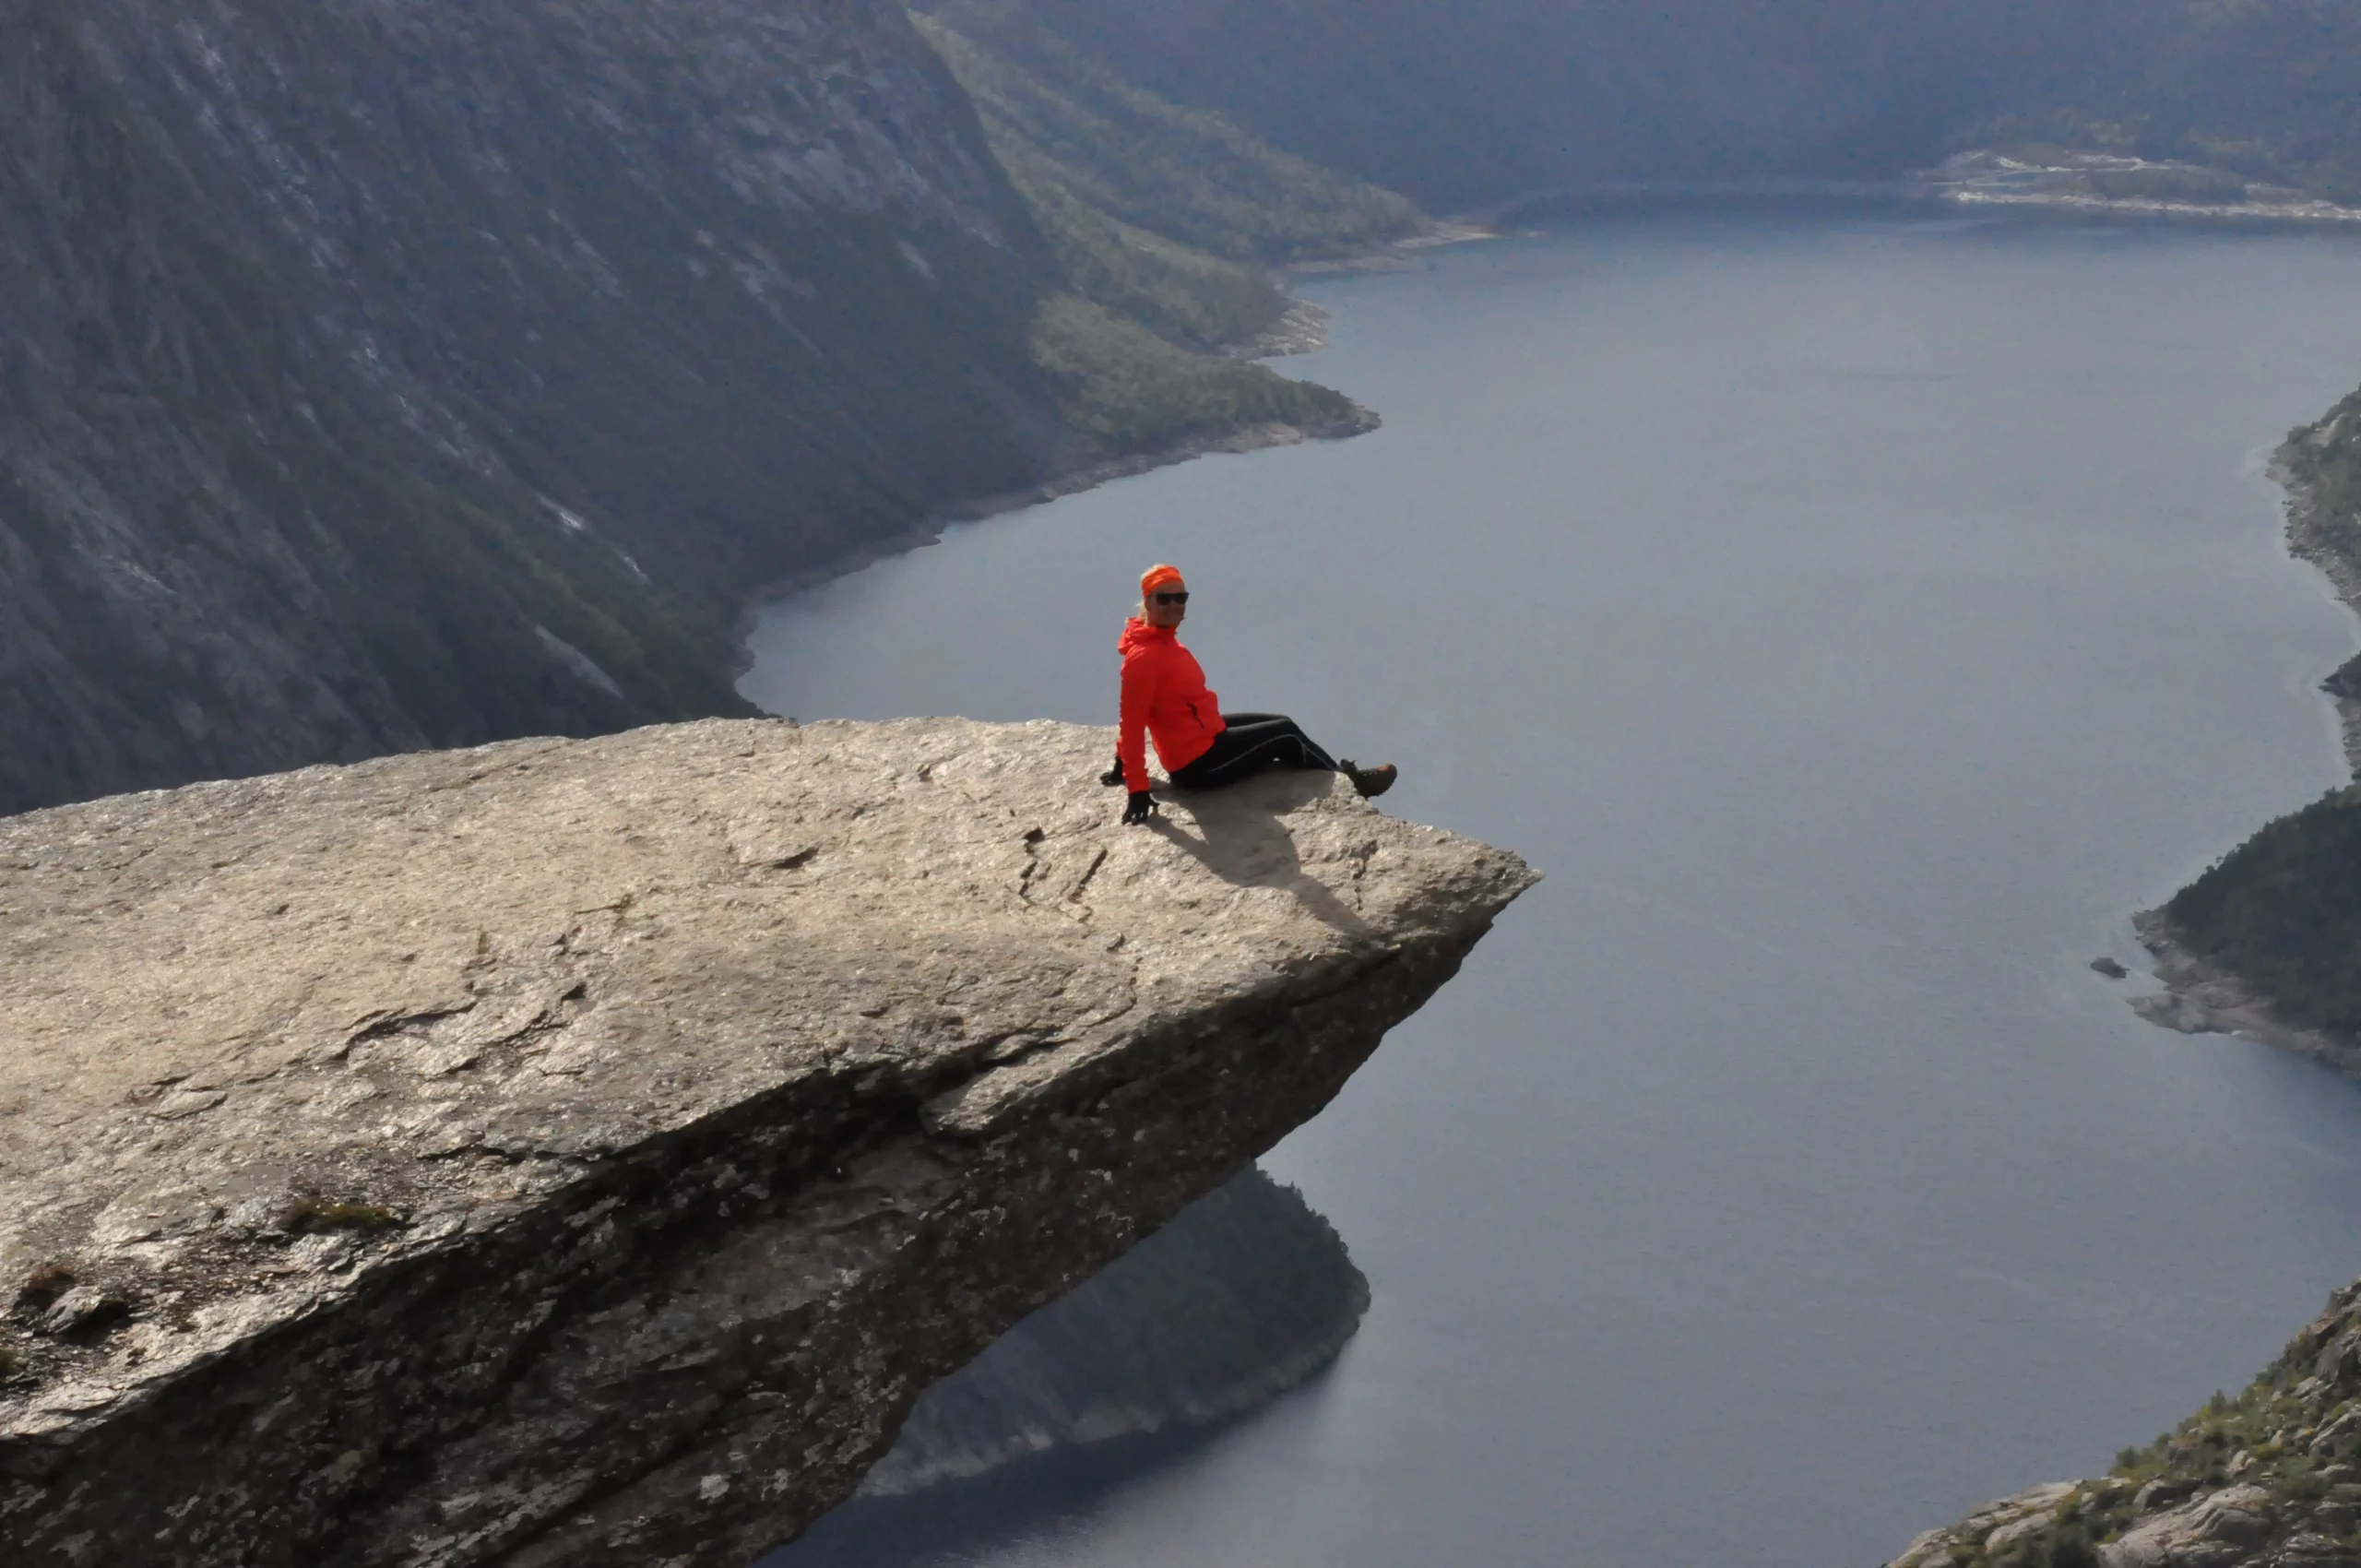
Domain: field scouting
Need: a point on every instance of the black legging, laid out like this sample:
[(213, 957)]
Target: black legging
[(1252, 743)]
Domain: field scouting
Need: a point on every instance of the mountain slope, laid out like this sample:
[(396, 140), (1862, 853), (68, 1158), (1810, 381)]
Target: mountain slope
[(1168, 217), (1472, 103), (385, 375), (2270, 89)]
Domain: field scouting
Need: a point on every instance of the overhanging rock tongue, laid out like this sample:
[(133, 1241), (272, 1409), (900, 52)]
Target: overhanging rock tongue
[(584, 1152)]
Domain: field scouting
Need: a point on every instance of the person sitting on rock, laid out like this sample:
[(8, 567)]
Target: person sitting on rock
[(1164, 700)]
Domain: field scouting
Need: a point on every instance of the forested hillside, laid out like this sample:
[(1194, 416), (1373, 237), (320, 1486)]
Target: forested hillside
[(1468, 103), (1164, 224), (2270, 89), (1169, 216), (1462, 104)]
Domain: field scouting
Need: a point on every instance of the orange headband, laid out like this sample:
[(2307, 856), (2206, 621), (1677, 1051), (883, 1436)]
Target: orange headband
[(1157, 577)]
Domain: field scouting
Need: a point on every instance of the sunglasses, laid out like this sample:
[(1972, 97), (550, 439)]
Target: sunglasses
[(1172, 598)]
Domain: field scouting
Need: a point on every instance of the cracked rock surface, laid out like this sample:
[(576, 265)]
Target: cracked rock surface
[(584, 1152)]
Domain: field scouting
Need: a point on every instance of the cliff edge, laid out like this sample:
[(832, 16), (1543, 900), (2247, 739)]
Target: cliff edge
[(586, 1152)]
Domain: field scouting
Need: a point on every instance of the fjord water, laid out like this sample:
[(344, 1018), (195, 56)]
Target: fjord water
[(1857, 617)]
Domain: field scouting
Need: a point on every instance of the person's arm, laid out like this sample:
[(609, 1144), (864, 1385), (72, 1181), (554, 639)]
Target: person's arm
[(1130, 743)]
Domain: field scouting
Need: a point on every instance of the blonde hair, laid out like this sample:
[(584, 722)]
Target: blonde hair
[(1139, 611)]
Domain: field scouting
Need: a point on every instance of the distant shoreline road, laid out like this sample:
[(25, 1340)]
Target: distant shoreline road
[(2113, 184), (2304, 212), (2080, 184)]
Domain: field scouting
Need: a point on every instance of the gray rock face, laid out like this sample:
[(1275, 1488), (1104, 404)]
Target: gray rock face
[(385, 374), (584, 1153), (2202, 998), (2213, 1532), (1991, 1528)]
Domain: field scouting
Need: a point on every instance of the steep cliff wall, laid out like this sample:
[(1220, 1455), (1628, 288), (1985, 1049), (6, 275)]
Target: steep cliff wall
[(378, 374), (584, 1153)]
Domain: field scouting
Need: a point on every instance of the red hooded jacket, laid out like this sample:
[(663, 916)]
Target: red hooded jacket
[(1164, 696)]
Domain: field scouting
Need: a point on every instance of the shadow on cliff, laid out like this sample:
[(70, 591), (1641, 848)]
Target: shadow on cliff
[(1240, 834)]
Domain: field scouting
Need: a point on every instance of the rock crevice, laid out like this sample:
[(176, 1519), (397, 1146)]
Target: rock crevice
[(586, 1152)]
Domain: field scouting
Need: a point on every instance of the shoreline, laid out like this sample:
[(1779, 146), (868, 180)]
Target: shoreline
[(1303, 328), (1073, 482), (2199, 996), (1399, 255), (1929, 193), (2303, 215), (2059, 180), (2308, 542)]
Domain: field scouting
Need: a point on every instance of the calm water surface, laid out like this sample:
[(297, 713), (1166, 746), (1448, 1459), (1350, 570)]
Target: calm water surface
[(1855, 618)]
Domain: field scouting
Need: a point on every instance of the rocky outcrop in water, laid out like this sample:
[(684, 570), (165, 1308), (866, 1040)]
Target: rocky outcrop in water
[(585, 1153)]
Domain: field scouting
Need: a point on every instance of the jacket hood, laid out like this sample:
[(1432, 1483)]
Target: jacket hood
[(1139, 633)]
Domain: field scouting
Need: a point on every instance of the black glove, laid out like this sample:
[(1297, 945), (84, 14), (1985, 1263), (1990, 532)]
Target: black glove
[(1113, 776), (1142, 806)]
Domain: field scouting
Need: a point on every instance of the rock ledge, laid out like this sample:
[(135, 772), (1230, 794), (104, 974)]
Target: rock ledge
[(584, 1152)]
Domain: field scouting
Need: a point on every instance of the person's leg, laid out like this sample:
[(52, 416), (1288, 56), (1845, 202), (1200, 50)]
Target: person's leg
[(1289, 746), (1264, 728), (1252, 743)]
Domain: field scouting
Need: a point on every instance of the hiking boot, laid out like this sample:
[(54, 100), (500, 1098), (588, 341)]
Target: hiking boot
[(1370, 782), (1114, 775)]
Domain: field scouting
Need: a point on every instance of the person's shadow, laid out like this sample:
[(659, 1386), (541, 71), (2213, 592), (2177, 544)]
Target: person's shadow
[(1241, 837)]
